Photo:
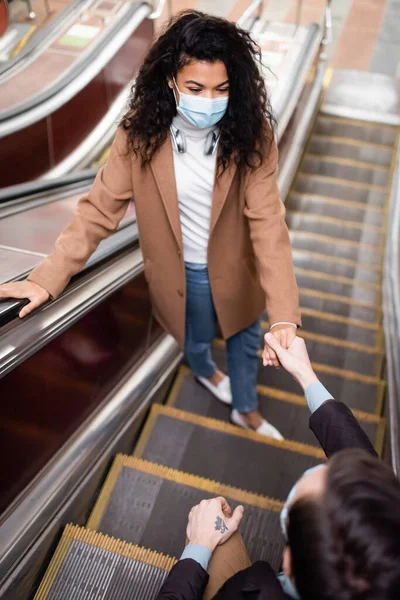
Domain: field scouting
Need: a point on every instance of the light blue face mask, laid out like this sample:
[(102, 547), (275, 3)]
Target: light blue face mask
[(285, 510), (201, 112)]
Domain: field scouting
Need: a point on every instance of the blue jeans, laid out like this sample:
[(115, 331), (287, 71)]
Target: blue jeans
[(242, 348)]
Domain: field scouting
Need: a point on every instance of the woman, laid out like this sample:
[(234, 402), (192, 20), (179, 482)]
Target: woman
[(197, 153)]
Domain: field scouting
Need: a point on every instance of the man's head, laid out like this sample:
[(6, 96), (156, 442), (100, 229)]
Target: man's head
[(343, 531)]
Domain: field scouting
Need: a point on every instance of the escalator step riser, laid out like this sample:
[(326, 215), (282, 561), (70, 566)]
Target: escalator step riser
[(291, 419), (343, 331), (317, 206), (372, 135), (304, 261), (311, 224), (358, 294), (356, 394), (359, 174), (352, 311), (224, 457), (358, 253), (310, 185), (374, 155), (91, 572), (152, 511)]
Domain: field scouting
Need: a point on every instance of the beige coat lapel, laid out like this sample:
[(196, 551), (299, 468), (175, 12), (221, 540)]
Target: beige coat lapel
[(221, 189), (162, 166)]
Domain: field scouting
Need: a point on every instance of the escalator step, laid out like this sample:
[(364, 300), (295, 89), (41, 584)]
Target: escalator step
[(342, 168), (346, 148), (338, 305), (342, 354), (90, 565), (332, 207), (147, 503), (335, 228), (341, 327), (341, 286), (360, 392), (224, 452), (336, 247), (288, 412), (337, 267), (325, 186), (356, 131)]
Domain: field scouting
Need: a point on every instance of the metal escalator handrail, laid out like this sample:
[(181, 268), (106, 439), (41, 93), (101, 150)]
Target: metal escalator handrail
[(26, 337), (76, 79), (256, 5), (37, 506), (391, 317)]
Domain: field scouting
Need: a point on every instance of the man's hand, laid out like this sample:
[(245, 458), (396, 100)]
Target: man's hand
[(284, 336), (25, 289), (211, 523), (295, 360)]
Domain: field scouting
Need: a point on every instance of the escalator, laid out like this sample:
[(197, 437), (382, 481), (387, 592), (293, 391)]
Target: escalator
[(188, 449)]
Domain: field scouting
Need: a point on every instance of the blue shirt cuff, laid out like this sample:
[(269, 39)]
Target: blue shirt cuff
[(199, 553), (316, 395)]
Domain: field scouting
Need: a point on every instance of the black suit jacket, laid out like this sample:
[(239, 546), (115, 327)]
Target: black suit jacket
[(336, 428)]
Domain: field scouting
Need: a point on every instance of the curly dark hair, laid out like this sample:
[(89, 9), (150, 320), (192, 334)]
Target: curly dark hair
[(247, 126)]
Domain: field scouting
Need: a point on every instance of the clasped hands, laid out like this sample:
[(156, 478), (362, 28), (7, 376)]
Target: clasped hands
[(284, 335)]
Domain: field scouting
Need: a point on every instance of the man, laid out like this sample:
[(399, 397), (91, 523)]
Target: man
[(341, 520)]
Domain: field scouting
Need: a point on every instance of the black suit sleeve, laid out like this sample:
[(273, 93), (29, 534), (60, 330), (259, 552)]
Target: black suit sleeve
[(336, 428), (186, 581)]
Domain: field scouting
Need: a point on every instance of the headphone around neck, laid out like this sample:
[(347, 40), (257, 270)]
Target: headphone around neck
[(179, 142)]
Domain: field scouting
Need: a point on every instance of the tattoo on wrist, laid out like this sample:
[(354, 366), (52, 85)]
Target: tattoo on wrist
[(220, 525)]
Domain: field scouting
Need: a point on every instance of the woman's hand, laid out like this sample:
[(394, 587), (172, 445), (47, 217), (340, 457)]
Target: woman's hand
[(25, 289), (295, 360), (285, 335), (211, 523)]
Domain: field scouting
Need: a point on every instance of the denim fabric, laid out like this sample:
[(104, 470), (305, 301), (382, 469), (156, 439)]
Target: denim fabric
[(242, 348)]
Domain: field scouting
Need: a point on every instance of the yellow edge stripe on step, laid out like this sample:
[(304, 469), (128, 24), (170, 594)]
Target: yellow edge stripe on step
[(290, 398), (332, 341), (350, 162), (200, 483), (344, 182), (316, 198), (334, 221), (325, 316), (348, 262), (337, 279), (75, 533), (356, 122), (340, 299), (330, 239), (222, 427), (337, 139)]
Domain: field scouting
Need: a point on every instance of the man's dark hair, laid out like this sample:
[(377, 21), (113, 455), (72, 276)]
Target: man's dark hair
[(346, 546)]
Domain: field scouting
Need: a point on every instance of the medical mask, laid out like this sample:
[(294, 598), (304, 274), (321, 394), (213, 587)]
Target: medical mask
[(201, 112), (285, 510)]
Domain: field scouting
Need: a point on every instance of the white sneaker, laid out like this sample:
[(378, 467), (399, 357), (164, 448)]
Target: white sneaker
[(265, 427), (222, 390)]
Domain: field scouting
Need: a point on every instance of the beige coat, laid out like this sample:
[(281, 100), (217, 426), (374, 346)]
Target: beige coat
[(249, 253)]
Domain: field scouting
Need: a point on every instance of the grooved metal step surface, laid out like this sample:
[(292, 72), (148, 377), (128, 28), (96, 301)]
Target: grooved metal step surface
[(288, 412), (148, 505), (351, 149), (332, 207), (358, 391), (342, 354), (323, 186), (362, 132), (225, 453), (338, 168), (339, 286), (89, 565), (313, 261), (350, 329), (343, 307), (335, 247), (335, 228)]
